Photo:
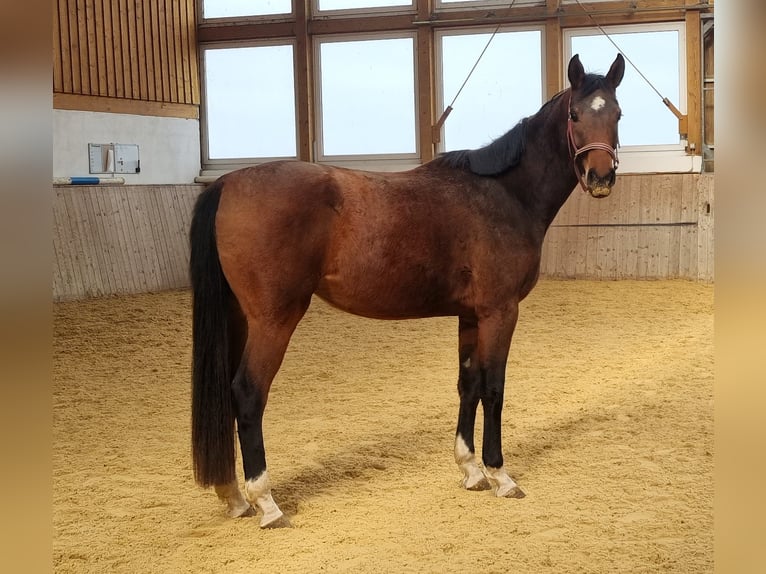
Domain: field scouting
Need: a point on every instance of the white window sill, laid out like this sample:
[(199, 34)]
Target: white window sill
[(660, 159)]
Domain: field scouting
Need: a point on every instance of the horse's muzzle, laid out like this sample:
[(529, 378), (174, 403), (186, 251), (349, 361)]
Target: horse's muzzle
[(600, 186)]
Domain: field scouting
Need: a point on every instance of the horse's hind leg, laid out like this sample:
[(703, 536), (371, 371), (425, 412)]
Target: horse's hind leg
[(469, 392), (230, 493), (266, 345), (236, 504)]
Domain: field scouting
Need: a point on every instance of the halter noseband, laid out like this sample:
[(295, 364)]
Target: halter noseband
[(576, 151)]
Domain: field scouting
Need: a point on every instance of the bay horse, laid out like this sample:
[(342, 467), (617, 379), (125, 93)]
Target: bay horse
[(459, 236)]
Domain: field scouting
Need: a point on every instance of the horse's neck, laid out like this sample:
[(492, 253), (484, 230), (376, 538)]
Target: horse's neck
[(545, 176)]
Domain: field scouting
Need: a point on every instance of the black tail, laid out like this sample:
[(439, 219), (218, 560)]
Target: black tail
[(212, 409)]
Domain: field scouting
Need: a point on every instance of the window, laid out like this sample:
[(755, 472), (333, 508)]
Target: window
[(234, 8), (366, 90), (447, 4), (504, 87), (361, 82), (646, 120), (247, 117), (647, 125), (324, 5)]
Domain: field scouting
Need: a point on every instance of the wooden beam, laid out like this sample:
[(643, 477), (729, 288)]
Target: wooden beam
[(58, 69), (578, 20), (554, 54), (90, 39), (303, 82), (123, 106), (175, 23), (152, 51), (362, 24), (425, 83), (187, 51), (170, 63), (123, 29), (82, 41), (694, 82), (109, 52), (248, 31), (74, 43), (194, 78), (164, 66)]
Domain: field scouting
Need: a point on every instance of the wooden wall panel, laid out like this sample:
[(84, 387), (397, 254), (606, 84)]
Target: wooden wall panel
[(705, 235), (132, 239), (694, 79), (654, 226), (143, 50), (120, 239)]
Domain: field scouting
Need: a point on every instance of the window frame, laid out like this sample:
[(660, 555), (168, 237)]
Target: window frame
[(305, 24), (281, 16), (654, 158), (367, 11), (466, 30), (441, 6), (227, 164), (381, 160)]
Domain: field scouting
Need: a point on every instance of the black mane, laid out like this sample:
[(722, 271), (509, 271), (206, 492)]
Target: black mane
[(506, 151), (493, 159)]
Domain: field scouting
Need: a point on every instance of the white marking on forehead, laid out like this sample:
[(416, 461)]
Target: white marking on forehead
[(597, 103)]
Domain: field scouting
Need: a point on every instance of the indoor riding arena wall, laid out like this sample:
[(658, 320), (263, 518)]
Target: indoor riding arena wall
[(607, 422), (111, 240)]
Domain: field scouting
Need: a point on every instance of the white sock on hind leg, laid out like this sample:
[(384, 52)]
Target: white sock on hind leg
[(258, 492)]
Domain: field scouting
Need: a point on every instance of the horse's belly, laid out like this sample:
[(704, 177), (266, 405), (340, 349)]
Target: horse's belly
[(379, 297)]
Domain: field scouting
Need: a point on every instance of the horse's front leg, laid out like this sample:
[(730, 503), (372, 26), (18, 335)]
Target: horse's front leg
[(468, 390), (495, 334)]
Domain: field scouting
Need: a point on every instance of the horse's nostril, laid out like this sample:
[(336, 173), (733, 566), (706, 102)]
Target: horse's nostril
[(594, 179)]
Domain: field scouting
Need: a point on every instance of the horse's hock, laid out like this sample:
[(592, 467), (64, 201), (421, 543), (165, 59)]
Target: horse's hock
[(607, 426)]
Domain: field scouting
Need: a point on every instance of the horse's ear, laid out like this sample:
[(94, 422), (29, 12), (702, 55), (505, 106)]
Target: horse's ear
[(576, 72), (616, 72)]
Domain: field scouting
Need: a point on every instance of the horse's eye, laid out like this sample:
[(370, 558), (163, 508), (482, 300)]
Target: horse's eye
[(573, 115)]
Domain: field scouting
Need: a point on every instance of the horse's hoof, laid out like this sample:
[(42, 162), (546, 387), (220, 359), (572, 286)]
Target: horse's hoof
[(247, 513), (280, 521), (242, 511), (514, 492), (482, 484)]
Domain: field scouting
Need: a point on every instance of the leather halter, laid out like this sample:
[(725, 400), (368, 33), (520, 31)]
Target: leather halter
[(576, 151)]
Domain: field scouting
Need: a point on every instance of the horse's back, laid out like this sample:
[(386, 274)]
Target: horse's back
[(285, 196), (276, 185)]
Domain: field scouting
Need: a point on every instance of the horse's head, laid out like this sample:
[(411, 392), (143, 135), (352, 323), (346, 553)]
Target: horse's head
[(592, 125)]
